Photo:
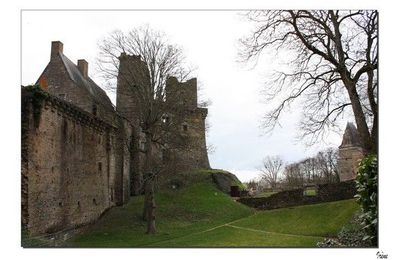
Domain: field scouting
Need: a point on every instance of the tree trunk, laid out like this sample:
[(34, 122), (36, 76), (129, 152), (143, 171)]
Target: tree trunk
[(149, 201), (151, 217), (362, 127)]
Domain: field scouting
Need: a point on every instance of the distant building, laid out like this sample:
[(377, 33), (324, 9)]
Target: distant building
[(350, 153)]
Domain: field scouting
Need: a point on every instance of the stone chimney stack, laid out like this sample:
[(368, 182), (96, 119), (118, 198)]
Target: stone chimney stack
[(83, 68), (56, 48)]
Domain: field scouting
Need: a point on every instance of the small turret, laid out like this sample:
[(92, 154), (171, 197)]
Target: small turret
[(350, 152), (350, 136)]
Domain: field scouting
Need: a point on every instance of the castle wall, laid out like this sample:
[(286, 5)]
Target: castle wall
[(124, 161), (182, 93), (69, 161), (349, 158), (193, 153)]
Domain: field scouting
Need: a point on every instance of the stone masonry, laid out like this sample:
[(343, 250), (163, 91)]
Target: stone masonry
[(69, 175), (350, 153), (76, 160)]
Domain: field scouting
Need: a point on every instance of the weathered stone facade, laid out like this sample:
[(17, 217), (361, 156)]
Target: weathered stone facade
[(350, 153), (193, 153), (190, 151), (77, 158), (69, 174)]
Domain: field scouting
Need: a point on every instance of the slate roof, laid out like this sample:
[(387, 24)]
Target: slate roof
[(350, 137), (98, 94)]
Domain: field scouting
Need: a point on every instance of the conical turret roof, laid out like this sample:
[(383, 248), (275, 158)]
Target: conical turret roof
[(350, 136)]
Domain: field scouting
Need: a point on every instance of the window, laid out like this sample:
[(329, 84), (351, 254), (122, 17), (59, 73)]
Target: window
[(62, 96), (99, 166), (185, 127)]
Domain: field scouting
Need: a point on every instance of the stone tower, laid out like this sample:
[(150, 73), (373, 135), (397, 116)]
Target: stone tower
[(180, 104), (350, 152), (193, 153), (132, 71)]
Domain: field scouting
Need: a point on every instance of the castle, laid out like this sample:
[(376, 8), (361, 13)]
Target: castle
[(77, 159), (350, 153)]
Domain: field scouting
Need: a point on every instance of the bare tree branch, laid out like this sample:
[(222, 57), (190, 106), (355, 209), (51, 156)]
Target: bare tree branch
[(333, 61)]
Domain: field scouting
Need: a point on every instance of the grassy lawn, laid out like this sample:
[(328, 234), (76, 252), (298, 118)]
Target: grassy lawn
[(232, 236), (323, 219), (193, 208), (199, 215)]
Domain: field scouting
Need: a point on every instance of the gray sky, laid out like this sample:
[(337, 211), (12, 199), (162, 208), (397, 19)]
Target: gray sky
[(210, 42)]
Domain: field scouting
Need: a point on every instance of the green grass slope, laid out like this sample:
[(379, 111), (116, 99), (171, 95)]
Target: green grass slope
[(198, 214), (323, 219), (301, 226), (195, 206)]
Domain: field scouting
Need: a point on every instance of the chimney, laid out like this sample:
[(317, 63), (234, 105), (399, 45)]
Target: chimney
[(56, 48), (83, 68)]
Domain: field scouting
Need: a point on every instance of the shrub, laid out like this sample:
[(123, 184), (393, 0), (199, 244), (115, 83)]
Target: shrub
[(367, 196)]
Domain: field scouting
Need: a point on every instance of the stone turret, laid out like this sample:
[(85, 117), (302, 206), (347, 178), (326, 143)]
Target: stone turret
[(183, 96), (350, 152)]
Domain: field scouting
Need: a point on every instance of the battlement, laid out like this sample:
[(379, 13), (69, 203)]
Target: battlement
[(182, 93)]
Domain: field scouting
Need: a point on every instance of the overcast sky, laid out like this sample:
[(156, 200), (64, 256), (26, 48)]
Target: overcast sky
[(210, 42)]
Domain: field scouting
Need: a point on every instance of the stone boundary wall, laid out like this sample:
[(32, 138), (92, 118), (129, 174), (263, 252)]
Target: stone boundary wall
[(289, 198), (72, 167)]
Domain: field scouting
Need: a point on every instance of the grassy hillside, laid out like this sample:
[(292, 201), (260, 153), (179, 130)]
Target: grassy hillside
[(195, 213), (195, 205)]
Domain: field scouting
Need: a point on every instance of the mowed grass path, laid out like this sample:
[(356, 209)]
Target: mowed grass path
[(199, 215), (301, 226)]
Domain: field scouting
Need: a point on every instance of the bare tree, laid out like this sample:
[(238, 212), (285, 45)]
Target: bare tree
[(272, 166), (156, 61), (321, 168), (327, 165), (293, 176), (333, 56)]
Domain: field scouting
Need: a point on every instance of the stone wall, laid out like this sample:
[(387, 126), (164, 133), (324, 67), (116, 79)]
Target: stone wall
[(192, 152), (325, 193), (349, 158), (69, 160), (182, 93)]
